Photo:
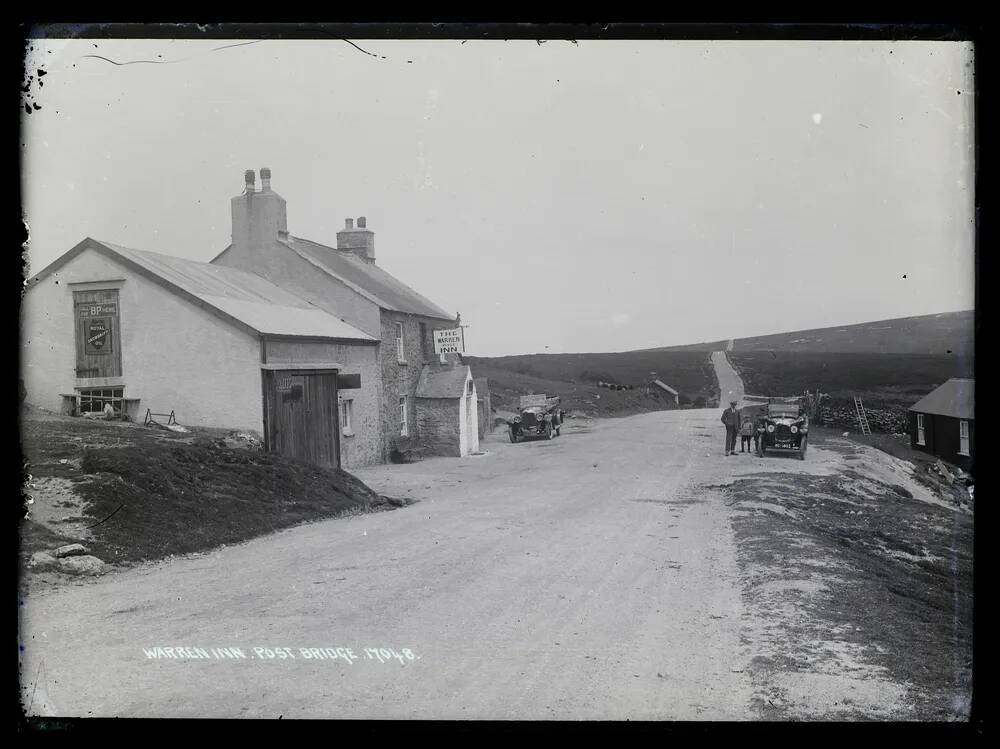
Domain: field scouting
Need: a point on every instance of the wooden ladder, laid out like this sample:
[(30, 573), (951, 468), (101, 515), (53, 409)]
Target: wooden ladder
[(862, 416)]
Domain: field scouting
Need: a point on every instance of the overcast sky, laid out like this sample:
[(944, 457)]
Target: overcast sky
[(599, 196)]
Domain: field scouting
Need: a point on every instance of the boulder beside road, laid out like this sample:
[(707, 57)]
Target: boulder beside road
[(42, 560), (68, 559), (82, 565), (70, 550)]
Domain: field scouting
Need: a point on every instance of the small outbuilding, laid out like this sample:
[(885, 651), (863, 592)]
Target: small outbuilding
[(447, 410), (942, 423), (661, 388)]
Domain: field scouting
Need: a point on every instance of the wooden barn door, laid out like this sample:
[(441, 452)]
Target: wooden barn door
[(301, 415), (98, 343)]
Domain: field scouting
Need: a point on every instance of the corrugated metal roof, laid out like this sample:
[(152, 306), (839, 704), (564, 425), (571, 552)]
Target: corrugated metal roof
[(383, 288), (955, 398), (442, 383), (246, 297), (211, 280), (274, 319)]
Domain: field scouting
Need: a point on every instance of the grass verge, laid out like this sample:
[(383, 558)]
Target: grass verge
[(146, 494), (863, 567)]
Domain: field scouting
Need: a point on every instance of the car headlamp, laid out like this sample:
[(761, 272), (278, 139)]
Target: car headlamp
[(795, 429), (770, 427)]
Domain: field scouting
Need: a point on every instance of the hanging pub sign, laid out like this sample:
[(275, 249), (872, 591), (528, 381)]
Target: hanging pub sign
[(449, 341)]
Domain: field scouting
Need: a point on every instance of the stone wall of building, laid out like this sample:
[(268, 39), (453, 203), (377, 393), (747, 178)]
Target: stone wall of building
[(439, 421), (400, 377)]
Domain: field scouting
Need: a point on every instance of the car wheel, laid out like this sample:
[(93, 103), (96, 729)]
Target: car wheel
[(802, 448), (549, 434)]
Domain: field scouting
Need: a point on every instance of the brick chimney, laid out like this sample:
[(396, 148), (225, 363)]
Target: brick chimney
[(258, 217), (360, 241)]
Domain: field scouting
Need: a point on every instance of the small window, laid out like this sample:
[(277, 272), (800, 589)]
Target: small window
[(400, 351), (347, 417), (469, 387), (404, 430), (921, 436), (963, 438), (423, 341), (94, 399)]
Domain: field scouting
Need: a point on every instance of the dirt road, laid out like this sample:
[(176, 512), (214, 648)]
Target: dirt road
[(730, 384), (586, 577)]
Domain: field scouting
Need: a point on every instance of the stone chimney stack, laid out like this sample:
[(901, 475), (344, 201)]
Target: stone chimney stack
[(259, 218), (360, 241)]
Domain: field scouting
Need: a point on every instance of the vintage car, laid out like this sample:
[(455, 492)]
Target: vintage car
[(537, 420), (783, 427)]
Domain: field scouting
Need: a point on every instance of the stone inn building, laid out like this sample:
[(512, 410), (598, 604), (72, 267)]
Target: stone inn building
[(346, 281), (275, 330)]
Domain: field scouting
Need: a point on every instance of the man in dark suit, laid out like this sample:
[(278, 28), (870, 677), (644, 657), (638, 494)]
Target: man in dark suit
[(731, 418)]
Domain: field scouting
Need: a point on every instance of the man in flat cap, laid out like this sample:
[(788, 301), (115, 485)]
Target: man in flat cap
[(731, 418)]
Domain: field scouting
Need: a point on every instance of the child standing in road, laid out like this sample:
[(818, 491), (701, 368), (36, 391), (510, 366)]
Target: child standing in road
[(746, 433)]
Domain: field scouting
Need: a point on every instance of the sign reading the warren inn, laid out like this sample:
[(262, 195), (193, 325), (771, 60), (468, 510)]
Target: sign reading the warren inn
[(449, 341)]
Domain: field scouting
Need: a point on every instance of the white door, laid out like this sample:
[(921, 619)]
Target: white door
[(963, 437)]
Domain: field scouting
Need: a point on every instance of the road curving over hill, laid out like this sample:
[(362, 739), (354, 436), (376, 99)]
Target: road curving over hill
[(730, 383)]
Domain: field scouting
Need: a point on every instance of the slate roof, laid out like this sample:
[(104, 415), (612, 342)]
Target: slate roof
[(436, 382), (367, 278), (955, 398), (235, 295)]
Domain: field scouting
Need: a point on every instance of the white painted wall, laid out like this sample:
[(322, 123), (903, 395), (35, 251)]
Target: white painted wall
[(175, 355), (468, 422)]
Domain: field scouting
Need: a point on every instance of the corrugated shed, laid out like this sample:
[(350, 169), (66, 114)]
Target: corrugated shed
[(955, 398), (381, 287), (442, 383), (242, 296)]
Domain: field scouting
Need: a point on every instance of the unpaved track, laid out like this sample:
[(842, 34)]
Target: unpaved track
[(577, 578), (730, 384)]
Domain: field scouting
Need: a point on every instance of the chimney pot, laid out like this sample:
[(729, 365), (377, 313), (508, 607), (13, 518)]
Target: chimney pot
[(265, 178), (362, 222), (248, 175), (349, 223)]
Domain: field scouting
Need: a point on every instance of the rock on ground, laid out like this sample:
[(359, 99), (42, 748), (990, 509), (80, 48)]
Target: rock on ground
[(42, 560), (82, 565), (70, 550)]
